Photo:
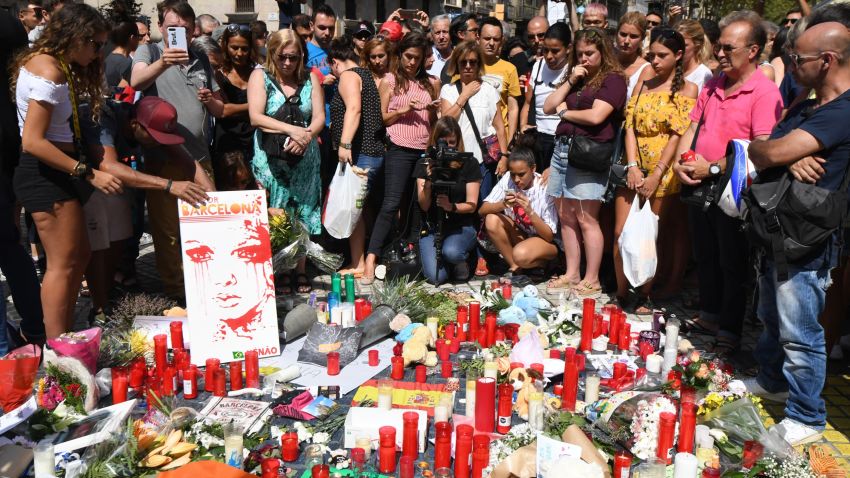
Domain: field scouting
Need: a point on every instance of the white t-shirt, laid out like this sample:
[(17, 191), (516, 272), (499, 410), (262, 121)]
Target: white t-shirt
[(484, 105), (541, 203), (439, 63), (556, 11), (699, 76), (543, 86)]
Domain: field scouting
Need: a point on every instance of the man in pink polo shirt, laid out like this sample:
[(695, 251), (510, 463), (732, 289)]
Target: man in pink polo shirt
[(738, 103)]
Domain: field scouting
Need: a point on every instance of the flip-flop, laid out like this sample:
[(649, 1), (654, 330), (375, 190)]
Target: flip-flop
[(586, 290), (644, 307), (303, 286), (481, 268)]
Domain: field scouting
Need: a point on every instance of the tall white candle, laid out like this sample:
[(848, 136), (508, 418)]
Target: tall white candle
[(653, 363), (670, 355), (44, 460), (591, 389), (685, 466), (347, 315), (432, 323), (671, 334), (441, 414)]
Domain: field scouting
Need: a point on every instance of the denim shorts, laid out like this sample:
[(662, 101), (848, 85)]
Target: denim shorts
[(375, 166), (568, 182)]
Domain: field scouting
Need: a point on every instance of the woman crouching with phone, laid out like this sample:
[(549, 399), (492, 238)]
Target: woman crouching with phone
[(456, 204)]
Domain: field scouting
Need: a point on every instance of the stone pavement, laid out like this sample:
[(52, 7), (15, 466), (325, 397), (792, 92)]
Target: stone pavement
[(836, 392)]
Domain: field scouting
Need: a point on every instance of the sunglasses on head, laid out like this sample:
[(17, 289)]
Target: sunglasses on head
[(665, 33), (236, 28)]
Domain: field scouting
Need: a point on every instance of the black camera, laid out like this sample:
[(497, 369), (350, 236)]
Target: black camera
[(446, 164)]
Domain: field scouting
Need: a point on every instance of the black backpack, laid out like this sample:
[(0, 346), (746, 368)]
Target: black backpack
[(792, 220)]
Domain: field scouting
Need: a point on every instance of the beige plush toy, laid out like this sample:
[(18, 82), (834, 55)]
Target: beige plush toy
[(415, 349), (525, 328), (523, 383)]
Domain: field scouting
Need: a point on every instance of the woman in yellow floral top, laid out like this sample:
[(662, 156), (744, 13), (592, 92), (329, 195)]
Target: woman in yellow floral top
[(656, 117)]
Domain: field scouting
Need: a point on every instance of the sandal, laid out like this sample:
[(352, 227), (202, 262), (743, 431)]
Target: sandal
[(694, 325), (644, 307), (481, 268), (560, 283), (303, 283), (287, 284), (586, 290)]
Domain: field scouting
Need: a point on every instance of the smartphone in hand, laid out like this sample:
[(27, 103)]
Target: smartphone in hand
[(407, 14), (176, 38)]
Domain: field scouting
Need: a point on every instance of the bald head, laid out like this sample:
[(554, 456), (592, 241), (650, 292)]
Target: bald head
[(535, 31), (826, 37)]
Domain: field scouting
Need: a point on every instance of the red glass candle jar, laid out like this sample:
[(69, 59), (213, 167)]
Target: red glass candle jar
[(666, 429), (219, 381), (138, 369), (443, 445), (485, 405), (190, 382), (687, 427), (506, 395), (386, 451), (176, 334), (235, 376), (252, 369), (446, 369), (213, 364), (463, 450), (270, 468), (374, 358), (333, 363), (622, 464), (160, 351), (289, 447), (120, 380), (397, 372), (421, 373), (321, 471), (410, 434)]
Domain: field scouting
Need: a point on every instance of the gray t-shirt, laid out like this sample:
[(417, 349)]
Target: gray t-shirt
[(116, 68), (179, 86)]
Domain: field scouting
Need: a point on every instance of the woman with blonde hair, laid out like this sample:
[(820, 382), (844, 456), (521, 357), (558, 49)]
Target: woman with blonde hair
[(376, 58), (53, 178), (697, 53), (628, 45), (291, 177)]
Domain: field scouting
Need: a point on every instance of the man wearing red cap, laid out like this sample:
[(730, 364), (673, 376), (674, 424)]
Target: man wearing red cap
[(392, 31), (170, 173)]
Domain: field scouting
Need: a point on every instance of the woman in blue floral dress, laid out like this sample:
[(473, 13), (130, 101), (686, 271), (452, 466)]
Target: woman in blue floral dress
[(293, 186)]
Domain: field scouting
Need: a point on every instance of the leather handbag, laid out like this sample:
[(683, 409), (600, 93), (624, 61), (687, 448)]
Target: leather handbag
[(490, 150), (290, 113), (706, 193), (590, 155)]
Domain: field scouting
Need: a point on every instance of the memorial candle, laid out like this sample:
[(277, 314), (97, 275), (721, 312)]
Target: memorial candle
[(568, 397), (624, 343), (442, 350), (462, 322), (685, 465), (169, 376), (320, 471), (219, 389), (137, 372), (485, 405), (359, 309), (614, 328), (421, 373), (252, 369), (471, 381), (386, 452), (474, 320), (587, 317), (591, 388), (687, 427), (463, 450), (446, 369), (176, 334), (349, 288), (333, 363), (270, 468), (410, 434), (235, 376), (506, 395), (190, 382), (490, 325), (622, 464), (374, 358), (480, 454), (433, 324), (44, 460), (397, 368), (443, 445), (289, 447), (119, 384), (666, 429), (213, 364), (454, 345), (160, 347)]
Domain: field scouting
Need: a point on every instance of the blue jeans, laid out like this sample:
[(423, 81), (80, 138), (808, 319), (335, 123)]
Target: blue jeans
[(375, 166), (457, 244), (791, 351), (488, 180)]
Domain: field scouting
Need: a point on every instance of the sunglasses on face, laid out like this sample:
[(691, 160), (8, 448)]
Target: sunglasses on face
[(290, 58), (797, 59), (653, 23), (37, 11), (468, 62), (538, 36), (791, 21), (727, 49), (98, 45)]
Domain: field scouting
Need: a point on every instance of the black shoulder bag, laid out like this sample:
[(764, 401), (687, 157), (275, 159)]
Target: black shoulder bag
[(532, 105), (706, 193), (618, 169), (83, 188), (486, 149), (590, 155), (289, 113)]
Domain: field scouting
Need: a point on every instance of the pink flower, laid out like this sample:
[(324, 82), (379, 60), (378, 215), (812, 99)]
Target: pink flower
[(702, 372), (694, 357)]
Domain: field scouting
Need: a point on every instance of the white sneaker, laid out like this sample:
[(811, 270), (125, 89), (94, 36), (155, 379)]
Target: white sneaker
[(759, 391), (796, 433)]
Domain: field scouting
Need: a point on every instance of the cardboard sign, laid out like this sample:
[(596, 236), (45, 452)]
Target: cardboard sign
[(229, 279)]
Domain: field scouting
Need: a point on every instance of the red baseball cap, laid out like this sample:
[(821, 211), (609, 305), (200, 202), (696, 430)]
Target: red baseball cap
[(392, 29), (159, 118)]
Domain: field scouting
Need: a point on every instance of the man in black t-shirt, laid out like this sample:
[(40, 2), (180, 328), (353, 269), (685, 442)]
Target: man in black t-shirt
[(813, 145)]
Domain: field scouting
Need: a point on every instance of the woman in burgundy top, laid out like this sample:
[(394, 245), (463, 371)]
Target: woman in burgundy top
[(595, 93)]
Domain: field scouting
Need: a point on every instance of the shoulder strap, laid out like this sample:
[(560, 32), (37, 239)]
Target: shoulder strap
[(471, 119), (75, 112), (637, 101), (699, 127)]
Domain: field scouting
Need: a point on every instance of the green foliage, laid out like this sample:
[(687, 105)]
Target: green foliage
[(495, 299), (472, 365), (403, 296), (117, 11), (439, 305), (558, 422)]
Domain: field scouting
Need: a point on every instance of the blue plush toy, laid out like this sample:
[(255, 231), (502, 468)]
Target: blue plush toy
[(512, 315), (407, 332), (529, 301)]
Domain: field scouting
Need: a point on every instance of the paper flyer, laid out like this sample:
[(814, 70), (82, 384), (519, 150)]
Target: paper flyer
[(228, 274)]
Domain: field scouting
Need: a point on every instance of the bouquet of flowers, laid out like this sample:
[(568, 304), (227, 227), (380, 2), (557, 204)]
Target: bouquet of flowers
[(560, 326), (83, 345), (702, 374), (290, 242), (17, 374), (632, 418)]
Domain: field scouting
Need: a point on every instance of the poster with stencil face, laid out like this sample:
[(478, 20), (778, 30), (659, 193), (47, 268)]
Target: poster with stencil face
[(227, 267)]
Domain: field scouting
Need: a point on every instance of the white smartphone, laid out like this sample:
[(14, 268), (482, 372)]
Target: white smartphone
[(176, 38)]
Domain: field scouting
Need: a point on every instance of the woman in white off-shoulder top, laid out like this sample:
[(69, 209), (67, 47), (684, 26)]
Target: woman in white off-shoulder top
[(50, 179)]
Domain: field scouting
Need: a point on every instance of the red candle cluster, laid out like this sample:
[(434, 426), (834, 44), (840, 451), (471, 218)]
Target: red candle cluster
[(252, 369), (443, 445), (463, 450), (622, 379), (587, 317), (485, 405), (386, 452)]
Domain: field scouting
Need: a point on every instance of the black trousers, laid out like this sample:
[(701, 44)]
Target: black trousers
[(398, 168), (722, 253), (17, 266), (544, 147)]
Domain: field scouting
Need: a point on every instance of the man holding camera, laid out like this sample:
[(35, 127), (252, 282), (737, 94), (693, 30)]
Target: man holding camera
[(792, 350)]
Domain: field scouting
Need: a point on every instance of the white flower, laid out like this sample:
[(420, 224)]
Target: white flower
[(321, 438), (275, 433), (303, 433)]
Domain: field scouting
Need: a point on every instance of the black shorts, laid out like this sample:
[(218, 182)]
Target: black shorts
[(38, 186)]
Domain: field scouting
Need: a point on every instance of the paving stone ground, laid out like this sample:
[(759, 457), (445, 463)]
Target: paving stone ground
[(836, 391)]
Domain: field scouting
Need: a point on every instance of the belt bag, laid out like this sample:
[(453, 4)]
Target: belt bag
[(590, 155)]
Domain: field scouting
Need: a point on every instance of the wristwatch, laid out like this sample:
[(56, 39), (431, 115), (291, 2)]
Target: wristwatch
[(81, 170), (714, 169), (345, 146)]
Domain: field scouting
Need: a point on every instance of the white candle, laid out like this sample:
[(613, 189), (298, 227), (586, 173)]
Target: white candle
[(364, 442), (44, 460), (432, 323), (336, 316), (491, 370), (670, 355), (535, 410), (441, 414), (671, 334), (347, 315), (685, 466), (470, 396), (599, 344), (591, 389), (233, 450), (385, 395), (653, 363)]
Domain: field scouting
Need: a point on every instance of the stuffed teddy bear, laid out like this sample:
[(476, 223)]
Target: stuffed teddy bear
[(524, 330), (399, 322), (415, 349), (511, 315)]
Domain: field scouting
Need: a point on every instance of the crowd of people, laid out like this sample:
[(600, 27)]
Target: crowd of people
[(105, 129)]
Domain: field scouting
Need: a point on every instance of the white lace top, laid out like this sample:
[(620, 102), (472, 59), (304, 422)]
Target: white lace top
[(32, 87)]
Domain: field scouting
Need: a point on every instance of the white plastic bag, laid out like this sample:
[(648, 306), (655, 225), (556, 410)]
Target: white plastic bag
[(345, 201), (637, 244), (742, 175)]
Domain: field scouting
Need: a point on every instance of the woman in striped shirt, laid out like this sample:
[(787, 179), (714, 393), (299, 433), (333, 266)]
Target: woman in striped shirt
[(409, 107)]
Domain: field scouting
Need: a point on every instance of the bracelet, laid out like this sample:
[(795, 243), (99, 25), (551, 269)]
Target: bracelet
[(570, 83), (631, 165), (561, 113), (168, 186)]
